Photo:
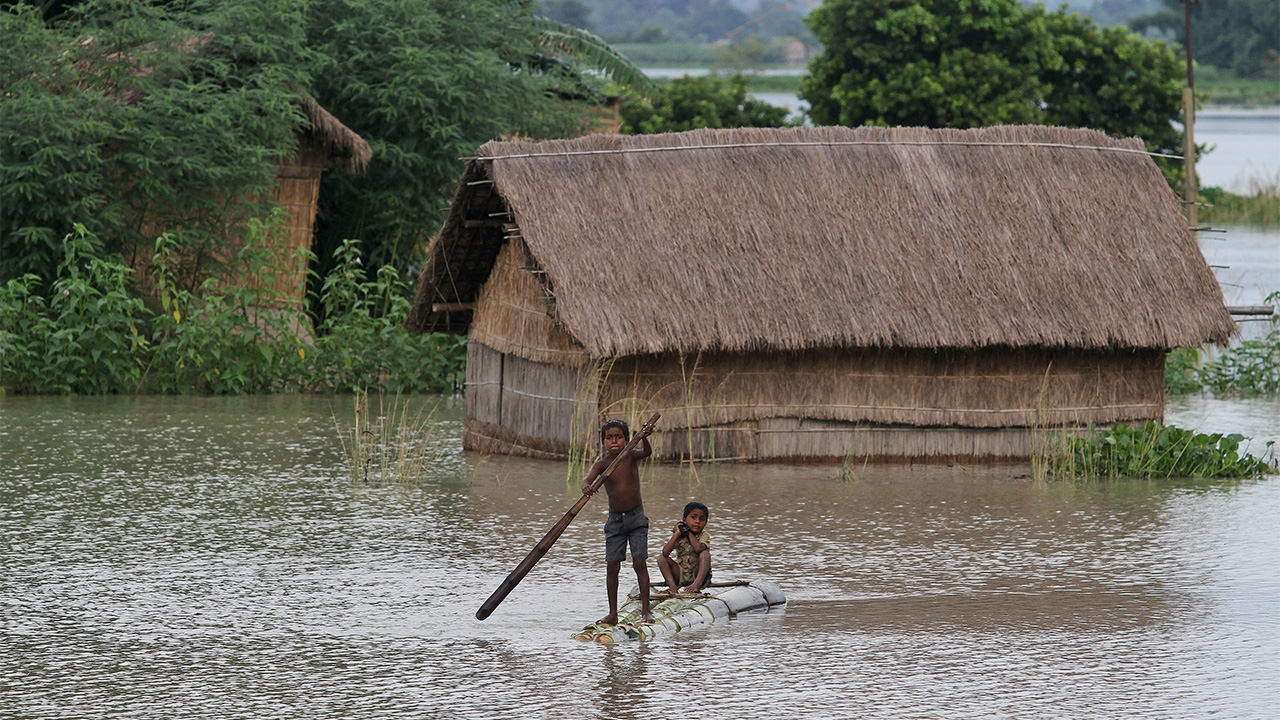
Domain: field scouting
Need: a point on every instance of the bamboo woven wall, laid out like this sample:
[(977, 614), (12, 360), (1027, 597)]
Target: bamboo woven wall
[(804, 440), (980, 388), (511, 314), (517, 405)]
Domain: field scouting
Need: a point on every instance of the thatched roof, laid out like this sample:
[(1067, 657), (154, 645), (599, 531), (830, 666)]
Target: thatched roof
[(337, 139), (800, 238)]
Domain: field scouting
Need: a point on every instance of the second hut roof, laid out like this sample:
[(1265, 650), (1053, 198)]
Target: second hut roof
[(786, 239)]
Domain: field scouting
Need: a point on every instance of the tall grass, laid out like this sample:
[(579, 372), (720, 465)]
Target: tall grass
[(1259, 206), (391, 445)]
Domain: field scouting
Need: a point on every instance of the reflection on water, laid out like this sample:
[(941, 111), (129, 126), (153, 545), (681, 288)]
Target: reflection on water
[(206, 557)]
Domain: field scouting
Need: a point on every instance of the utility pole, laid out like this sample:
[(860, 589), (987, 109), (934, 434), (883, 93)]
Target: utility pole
[(1188, 125)]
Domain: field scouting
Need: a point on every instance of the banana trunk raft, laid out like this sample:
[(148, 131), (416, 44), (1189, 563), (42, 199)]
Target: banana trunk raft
[(686, 610)]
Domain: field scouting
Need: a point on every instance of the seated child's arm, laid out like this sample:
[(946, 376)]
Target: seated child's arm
[(670, 547)]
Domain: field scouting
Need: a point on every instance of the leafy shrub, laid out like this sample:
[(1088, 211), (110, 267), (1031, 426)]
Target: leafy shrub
[(1180, 368), (363, 342), (89, 335), (82, 338), (1155, 451), (1250, 368)]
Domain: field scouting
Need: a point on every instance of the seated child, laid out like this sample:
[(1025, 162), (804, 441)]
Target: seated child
[(691, 570)]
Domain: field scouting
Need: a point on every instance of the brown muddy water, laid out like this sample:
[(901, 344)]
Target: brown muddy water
[(207, 557)]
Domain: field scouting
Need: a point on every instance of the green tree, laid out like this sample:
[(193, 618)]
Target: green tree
[(1109, 79), (970, 63), (130, 115), (689, 103), (425, 82), (1241, 36), (936, 63)]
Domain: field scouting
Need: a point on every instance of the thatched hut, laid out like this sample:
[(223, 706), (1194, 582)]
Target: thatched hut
[(327, 142), (816, 293)]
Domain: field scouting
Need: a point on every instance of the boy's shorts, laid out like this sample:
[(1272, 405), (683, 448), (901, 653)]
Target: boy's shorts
[(622, 527)]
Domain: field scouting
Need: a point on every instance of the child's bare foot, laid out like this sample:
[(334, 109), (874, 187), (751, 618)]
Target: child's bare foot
[(608, 620), (647, 617)]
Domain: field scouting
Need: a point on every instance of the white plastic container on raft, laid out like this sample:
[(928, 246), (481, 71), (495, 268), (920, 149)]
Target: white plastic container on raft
[(673, 614)]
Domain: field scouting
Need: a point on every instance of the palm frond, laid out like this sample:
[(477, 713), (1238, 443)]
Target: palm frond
[(589, 50)]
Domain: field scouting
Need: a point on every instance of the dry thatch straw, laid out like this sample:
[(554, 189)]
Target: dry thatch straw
[(804, 238), (338, 140)]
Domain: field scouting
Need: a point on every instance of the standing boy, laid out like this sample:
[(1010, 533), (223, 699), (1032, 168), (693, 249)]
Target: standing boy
[(627, 523)]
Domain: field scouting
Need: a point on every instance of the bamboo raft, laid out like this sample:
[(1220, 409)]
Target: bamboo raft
[(674, 613)]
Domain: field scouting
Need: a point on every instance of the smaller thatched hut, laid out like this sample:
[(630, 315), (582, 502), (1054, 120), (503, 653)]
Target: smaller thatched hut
[(816, 293), (297, 191)]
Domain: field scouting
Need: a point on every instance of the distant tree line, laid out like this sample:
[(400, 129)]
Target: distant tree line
[(659, 21)]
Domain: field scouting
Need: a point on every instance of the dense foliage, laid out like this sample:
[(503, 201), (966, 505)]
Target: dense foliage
[(133, 118), (122, 116), (689, 103), (1240, 36), (936, 63), (1156, 451), (425, 82), (962, 63), (84, 333)]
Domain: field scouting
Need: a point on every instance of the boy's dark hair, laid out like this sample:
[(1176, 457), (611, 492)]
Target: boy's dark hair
[(695, 505), (626, 431)]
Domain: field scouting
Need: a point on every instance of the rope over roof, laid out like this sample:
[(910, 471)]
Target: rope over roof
[(795, 238)]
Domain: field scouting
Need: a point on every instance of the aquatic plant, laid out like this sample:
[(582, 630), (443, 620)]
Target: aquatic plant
[(1152, 451), (1251, 367), (392, 445), (1259, 206)]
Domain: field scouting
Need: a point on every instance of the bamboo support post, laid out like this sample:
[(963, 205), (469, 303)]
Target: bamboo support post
[(1189, 154)]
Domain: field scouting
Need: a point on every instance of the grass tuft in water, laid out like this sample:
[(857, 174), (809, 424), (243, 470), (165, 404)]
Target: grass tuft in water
[(392, 445), (1259, 207), (1152, 451)]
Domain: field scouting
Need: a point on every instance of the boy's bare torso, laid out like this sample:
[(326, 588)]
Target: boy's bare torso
[(623, 486)]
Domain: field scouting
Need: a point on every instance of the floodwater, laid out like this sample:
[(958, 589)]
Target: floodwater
[(207, 557)]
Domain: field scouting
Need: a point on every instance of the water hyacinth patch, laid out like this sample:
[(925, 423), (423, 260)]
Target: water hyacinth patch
[(1155, 451)]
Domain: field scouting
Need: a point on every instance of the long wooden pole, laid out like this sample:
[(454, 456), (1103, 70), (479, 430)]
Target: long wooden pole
[(553, 534)]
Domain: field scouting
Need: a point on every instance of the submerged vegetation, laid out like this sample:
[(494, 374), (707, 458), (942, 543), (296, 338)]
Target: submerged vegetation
[(1250, 367), (1150, 451), (392, 445), (87, 333), (1259, 208)]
